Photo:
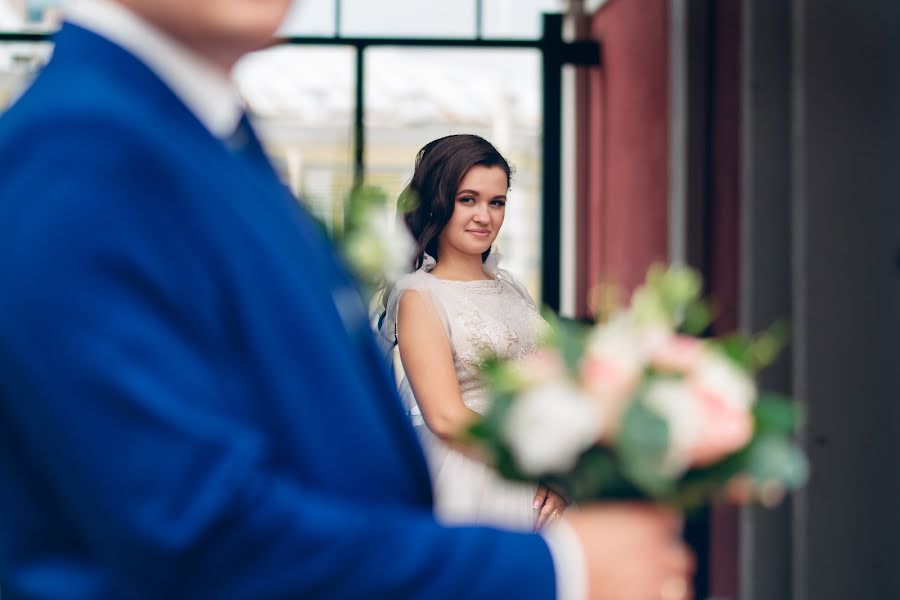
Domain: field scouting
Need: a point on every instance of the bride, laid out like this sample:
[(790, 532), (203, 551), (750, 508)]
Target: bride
[(456, 308)]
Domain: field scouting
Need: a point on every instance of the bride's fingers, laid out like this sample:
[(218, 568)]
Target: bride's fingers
[(550, 510), (540, 496)]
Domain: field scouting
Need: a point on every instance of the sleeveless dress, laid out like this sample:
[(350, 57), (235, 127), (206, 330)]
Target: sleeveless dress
[(494, 316)]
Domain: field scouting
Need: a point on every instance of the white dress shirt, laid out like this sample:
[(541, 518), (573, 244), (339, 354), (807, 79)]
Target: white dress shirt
[(203, 87), (213, 98)]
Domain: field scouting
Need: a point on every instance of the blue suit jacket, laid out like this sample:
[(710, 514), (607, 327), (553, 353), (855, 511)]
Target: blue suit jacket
[(191, 401)]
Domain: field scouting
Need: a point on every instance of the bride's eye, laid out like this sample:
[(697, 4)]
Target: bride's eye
[(498, 203), (467, 200)]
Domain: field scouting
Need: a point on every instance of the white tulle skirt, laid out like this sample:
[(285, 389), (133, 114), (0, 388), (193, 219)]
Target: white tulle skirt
[(469, 491)]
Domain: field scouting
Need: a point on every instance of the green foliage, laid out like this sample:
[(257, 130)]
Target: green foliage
[(636, 465), (364, 201), (568, 337), (597, 474), (672, 296), (376, 253), (753, 354), (776, 415), (696, 318), (641, 445)]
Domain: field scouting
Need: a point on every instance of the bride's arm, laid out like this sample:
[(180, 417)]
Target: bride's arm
[(428, 362)]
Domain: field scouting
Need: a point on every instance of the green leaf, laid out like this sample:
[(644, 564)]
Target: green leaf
[(735, 347), (642, 443), (776, 458), (596, 476), (698, 485), (361, 203), (408, 201), (649, 307), (765, 347), (774, 414), (696, 318), (568, 337), (681, 285)]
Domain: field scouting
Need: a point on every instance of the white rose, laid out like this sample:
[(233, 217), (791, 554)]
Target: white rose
[(616, 338), (616, 344), (550, 425), (379, 249), (396, 244), (720, 378), (611, 368), (676, 404)]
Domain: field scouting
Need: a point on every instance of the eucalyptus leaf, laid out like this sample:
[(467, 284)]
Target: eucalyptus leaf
[(642, 443), (695, 318), (774, 414)]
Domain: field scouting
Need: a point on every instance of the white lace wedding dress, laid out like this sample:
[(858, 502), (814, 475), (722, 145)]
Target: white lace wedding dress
[(479, 317)]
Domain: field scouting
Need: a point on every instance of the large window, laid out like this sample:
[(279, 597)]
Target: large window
[(511, 19), (414, 96), (303, 96), (302, 100), (19, 64)]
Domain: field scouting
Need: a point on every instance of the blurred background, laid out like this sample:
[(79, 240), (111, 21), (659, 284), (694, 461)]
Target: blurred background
[(303, 96), (756, 140)]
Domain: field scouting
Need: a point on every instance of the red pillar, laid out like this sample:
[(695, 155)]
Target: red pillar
[(626, 122)]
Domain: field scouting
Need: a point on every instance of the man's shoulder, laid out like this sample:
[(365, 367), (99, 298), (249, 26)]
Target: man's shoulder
[(93, 87)]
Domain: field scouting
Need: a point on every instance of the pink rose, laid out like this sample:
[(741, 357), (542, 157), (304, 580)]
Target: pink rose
[(673, 401), (720, 378), (613, 383), (702, 427), (725, 428), (612, 367), (539, 366), (725, 395), (677, 354)]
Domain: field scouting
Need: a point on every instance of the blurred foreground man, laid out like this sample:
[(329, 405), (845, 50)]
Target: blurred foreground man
[(191, 403)]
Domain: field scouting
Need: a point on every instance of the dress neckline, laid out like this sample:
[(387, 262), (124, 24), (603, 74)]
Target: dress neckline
[(491, 269), (492, 282)]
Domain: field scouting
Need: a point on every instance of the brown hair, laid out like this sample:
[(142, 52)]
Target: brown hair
[(427, 202)]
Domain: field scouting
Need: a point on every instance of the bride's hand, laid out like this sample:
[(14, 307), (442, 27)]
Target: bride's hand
[(551, 506)]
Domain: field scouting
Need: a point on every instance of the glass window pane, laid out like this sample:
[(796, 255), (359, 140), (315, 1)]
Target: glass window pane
[(414, 96), (19, 65), (30, 15), (301, 99), (517, 18), (12, 15), (311, 17), (408, 18)]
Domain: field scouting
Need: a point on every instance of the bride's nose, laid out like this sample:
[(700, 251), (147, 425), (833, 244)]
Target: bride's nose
[(481, 215)]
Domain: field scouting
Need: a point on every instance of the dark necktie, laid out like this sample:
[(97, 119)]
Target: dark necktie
[(245, 144)]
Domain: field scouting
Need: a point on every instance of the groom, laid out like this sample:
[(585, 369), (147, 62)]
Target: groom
[(191, 404)]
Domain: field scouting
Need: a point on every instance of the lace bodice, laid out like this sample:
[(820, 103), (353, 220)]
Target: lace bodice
[(481, 318)]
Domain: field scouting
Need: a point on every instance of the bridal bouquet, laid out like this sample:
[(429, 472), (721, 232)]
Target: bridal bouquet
[(638, 407)]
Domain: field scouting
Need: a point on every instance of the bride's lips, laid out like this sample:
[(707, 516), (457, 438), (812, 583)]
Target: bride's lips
[(483, 233)]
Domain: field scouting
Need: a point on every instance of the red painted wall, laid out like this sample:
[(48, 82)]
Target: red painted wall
[(623, 180), (625, 207)]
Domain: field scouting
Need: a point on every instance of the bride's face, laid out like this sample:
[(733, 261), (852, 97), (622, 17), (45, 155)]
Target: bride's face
[(479, 208)]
